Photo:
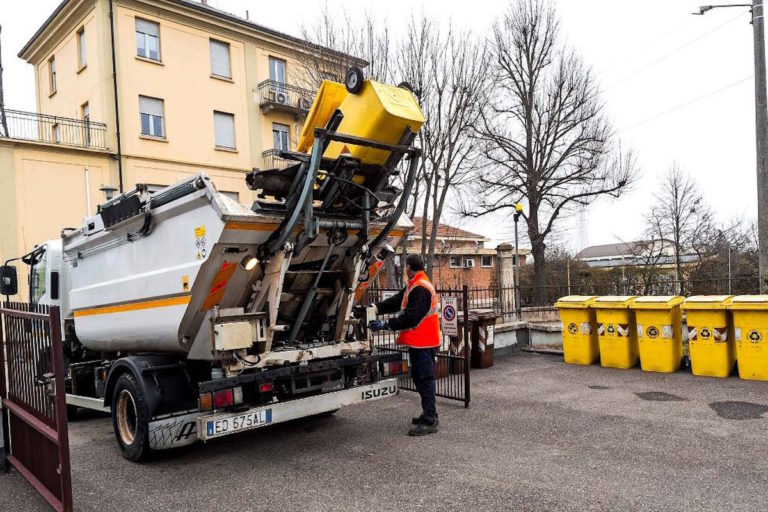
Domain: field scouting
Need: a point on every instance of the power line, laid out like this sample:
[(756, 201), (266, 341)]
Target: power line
[(673, 52), (690, 102), (645, 46)]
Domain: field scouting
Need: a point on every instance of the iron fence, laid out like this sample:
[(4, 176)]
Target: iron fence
[(53, 129), (453, 358), (275, 94), (273, 160)]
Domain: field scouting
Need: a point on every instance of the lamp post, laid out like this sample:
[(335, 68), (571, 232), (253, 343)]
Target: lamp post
[(518, 212), (761, 129)]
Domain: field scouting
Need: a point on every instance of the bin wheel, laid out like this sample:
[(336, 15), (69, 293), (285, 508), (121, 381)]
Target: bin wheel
[(130, 418), (72, 412), (354, 80)]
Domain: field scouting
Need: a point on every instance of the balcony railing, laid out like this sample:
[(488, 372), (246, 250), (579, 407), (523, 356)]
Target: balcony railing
[(274, 95), (53, 129), (273, 161)]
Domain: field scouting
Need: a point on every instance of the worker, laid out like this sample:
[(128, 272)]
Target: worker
[(419, 329)]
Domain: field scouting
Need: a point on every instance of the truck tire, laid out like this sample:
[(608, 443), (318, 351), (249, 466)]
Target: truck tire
[(130, 418)]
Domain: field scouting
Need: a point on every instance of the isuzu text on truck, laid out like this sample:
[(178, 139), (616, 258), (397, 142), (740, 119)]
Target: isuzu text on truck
[(190, 316)]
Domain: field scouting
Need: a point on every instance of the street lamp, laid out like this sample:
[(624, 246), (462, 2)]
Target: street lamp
[(761, 130), (109, 191), (518, 212)]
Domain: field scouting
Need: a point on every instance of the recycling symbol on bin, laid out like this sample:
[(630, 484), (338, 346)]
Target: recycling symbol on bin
[(611, 329), (573, 328), (652, 331), (705, 333), (754, 336)]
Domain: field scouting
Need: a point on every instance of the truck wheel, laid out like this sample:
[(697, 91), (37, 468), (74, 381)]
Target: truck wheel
[(354, 80), (130, 418)]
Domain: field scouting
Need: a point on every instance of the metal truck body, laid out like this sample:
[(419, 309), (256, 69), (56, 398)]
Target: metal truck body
[(190, 316)]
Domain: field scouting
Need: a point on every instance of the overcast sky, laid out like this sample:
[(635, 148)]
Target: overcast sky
[(677, 87)]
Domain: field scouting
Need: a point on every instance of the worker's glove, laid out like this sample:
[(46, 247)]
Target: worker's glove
[(358, 312), (378, 325)]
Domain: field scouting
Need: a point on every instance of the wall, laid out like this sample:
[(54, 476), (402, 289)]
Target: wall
[(44, 190), (183, 80)]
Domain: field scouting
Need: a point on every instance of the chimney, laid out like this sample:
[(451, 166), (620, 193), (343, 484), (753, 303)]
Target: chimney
[(204, 2)]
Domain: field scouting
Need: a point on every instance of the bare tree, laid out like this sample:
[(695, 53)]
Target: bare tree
[(680, 215), (335, 44), (544, 137), (446, 71)]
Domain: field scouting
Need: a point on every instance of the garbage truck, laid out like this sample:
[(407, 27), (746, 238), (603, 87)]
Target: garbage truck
[(189, 316)]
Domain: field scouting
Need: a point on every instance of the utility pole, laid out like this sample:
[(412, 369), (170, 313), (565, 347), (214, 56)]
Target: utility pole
[(761, 129), (518, 309)]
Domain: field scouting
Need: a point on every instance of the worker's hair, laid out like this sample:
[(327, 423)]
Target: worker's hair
[(415, 262)]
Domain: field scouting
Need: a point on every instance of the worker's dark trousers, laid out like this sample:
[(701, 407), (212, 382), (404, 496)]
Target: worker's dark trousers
[(423, 374)]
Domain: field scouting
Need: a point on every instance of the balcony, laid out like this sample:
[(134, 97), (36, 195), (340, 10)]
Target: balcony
[(272, 160), (53, 130), (283, 97)]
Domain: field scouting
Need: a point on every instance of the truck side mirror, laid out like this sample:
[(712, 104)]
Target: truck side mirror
[(9, 284)]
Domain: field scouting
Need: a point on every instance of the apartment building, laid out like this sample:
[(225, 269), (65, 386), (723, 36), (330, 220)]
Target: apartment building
[(140, 91)]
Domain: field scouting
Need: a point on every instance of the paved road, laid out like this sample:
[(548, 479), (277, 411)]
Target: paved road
[(540, 435)]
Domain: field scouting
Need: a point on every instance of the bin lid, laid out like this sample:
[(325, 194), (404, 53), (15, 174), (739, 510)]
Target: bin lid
[(614, 301), (707, 301), (575, 301), (749, 302), (657, 302)]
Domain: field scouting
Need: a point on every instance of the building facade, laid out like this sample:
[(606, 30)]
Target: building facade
[(184, 89)]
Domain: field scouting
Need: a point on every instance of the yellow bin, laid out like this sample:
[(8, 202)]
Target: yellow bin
[(616, 331), (710, 336), (750, 326), (659, 332), (579, 329), (379, 112)]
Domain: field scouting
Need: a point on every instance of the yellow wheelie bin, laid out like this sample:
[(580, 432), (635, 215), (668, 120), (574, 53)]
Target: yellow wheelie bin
[(710, 336), (750, 326), (616, 331), (579, 329), (659, 332)]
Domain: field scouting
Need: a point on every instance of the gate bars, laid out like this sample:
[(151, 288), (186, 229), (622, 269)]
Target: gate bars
[(34, 408), (452, 363)]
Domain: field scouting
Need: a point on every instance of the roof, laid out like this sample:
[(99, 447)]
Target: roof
[(620, 249), (218, 13), (445, 231)]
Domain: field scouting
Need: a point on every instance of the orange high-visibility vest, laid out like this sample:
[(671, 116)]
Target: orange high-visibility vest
[(427, 333)]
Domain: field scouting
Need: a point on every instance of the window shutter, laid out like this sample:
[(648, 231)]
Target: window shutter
[(220, 59), (152, 106), (224, 126), (147, 27)]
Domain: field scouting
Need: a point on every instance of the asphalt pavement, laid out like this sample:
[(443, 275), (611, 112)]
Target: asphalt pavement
[(539, 435)]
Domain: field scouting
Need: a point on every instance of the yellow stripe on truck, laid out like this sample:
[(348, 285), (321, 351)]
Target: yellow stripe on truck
[(136, 306)]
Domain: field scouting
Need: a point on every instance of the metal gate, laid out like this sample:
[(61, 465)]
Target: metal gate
[(34, 412), (452, 362)]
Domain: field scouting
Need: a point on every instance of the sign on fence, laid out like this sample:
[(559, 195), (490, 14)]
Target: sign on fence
[(450, 323)]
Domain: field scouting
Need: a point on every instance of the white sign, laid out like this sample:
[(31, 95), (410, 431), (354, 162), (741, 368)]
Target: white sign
[(449, 318)]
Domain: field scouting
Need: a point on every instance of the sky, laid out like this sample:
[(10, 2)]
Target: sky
[(677, 88)]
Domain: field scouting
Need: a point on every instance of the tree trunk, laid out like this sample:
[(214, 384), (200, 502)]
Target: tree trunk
[(539, 278)]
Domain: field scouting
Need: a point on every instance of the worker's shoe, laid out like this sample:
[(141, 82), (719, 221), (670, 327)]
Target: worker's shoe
[(423, 429), (416, 420)]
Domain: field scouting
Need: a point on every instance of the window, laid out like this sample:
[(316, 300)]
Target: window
[(486, 261), (56, 133), (277, 71), (224, 126), (469, 262), (52, 74), (151, 112), (280, 136), (37, 279), (220, 65), (85, 111), (147, 39), (81, 48), (235, 196), (455, 261)]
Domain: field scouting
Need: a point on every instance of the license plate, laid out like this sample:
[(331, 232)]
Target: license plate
[(231, 424)]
